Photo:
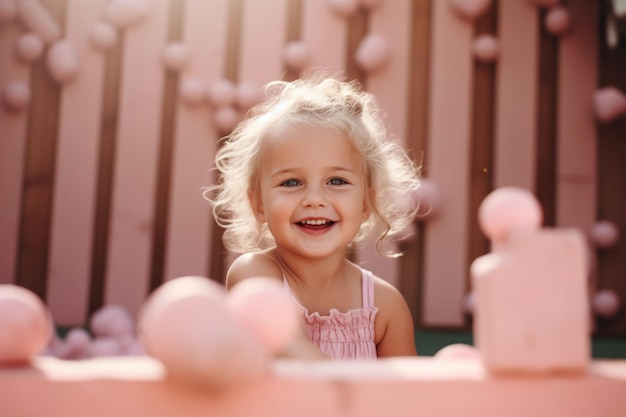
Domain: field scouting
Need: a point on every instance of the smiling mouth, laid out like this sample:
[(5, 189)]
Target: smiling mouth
[(315, 224)]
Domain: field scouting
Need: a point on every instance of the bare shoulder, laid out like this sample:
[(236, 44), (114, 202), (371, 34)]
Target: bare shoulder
[(385, 293), (253, 264)]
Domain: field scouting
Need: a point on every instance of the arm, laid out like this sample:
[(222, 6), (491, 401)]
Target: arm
[(395, 332), (248, 265)]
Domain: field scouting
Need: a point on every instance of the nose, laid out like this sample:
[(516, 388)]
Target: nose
[(314, 197)]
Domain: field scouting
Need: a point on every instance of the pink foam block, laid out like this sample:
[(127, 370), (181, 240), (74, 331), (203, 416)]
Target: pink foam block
[(531, 304)]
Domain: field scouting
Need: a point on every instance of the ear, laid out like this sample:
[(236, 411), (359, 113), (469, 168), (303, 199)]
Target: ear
[(257, 206)]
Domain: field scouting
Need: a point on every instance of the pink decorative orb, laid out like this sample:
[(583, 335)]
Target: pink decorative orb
[(469, 304), (605, 303), (470, 9), (507, 209), (63, 62), (104, 347), (609, 103), (370, 4), (24, 324), (604, 234), (193, 91), (248, 95), (29, 47), (222, 93), (427, 199), (343, 8), (226, 118), (112, 321), (264, 307), (8, 11), (126, 13), (545, 3), (175, 56), (75, 345), (187, 326), (558, 20), (296, 56), (457, 351), (103, 36), (373, 52), (486, 48), (16, 96)]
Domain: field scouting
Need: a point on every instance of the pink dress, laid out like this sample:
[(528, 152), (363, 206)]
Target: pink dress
[(348, 335)]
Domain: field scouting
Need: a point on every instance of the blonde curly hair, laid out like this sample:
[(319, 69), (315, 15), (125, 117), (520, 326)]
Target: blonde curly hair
[(390, 175)]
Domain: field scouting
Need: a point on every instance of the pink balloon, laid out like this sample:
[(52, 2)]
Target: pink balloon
[(558, 20), (103, 36), (609, 103), (343, 8), (604, 234), (29, 47), (75, 345), (8, 11), (264, 307), (470, 9), (193, 91), (63, 61), (16, 96), (296, 56), (372, 53), (24, 324), (457, 351), (486, 48), (126, 13), (226, 118), (222, 93), (605, 303), (507, 209), (112, 321), (175, 56)]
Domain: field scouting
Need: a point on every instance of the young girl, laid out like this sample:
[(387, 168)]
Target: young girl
[(307, 175)]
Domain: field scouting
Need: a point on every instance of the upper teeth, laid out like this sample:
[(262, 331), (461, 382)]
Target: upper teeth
[(315, 222)]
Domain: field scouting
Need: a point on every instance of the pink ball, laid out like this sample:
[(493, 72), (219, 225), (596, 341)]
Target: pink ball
[(558, 20), (193, 91), (63, 61), (507, 209), (175, 56), (104, 347), (8, 11), (343, 8), (29, 47), (296, 56), (226, 118), (609, 103), (103, 36), (112, 321), (75, 345), (470, 9), (24, 324), (372, 53), (248, 95), (16, 96), (605, 303), (486, 48), (222, 93), (264, 307), (604, 234), (126, 13), (187, 326), (457, 351)]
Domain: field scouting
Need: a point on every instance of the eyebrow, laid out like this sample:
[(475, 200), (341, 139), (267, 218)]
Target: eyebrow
[(290, 170)]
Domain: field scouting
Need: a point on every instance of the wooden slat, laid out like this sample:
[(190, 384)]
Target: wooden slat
[(448, 167), (325, 36), (74, 201), (190, 225), (393, 21), (142, 78), (516, 95), (12, 149), (576, 163)]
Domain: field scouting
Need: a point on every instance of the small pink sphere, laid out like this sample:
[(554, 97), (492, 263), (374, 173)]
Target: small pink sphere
[(126, 13), (605, 303), (193, 91), (175, 56), (16, 96), (226, 118), (296, 56), (545, 3), (29, 47), (75, 345), (103, 36), (8, 11), (486, 48), (470, 9), (112, 321), (344, 8), (457, 351), (24, 324), (248, 95), (373, 52), (63, 61), (558, 20), (264, 307), (104, 347), (609, 103), (507, 209), (604, 234), (222, 93)]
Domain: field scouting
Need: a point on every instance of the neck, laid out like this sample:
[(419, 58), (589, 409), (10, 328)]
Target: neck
[(311, 272)]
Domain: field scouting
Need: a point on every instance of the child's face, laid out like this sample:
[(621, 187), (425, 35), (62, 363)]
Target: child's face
[(312, 190)]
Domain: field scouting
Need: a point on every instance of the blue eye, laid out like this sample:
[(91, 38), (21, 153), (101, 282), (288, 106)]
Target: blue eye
[(337, 181), (290, 183)]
